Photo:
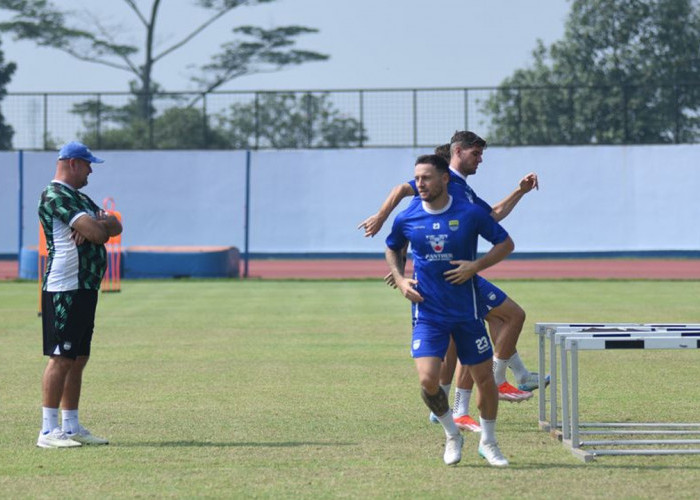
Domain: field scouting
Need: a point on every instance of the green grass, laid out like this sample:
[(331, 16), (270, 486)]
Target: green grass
[(305, 389)]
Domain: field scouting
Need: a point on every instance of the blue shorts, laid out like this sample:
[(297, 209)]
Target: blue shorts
[(431, 339), (490, 296)]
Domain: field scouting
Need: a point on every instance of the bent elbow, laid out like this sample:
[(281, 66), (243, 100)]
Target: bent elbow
[(117, 230), (510, 245)]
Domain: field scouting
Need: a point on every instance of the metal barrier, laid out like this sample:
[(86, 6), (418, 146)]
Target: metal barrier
[(571, 425), (556, 331)]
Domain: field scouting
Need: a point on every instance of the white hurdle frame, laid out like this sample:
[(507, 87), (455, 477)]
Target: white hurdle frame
[(571, 426), (551, 330)]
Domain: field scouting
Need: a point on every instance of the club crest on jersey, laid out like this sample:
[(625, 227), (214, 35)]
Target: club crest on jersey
[(454, 225), (437, 241)]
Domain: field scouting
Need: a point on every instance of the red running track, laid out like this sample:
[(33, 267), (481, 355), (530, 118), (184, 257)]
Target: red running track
[(686, 269), (674, 269)]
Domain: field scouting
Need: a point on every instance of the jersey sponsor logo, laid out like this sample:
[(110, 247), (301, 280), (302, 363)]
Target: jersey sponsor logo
[(437, 241), (454, 225)]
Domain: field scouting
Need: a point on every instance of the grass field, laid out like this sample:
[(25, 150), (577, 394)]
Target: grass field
[(305, 389)]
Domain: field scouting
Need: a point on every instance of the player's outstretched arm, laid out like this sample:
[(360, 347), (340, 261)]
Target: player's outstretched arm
[(467, 268), (405, 285), (373, 224), (506, 205)]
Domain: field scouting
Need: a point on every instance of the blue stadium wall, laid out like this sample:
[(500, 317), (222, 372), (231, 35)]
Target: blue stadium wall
[(593, 200)]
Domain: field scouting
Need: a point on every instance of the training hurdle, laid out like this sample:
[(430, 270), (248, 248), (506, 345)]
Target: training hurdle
[(111, 281), (552, 331), (571, 425), (42, 261)]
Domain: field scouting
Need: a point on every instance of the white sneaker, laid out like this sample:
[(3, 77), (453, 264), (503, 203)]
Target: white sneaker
[(84, 436), (453, 449), (56, 439), (492, 454), (532, 382)]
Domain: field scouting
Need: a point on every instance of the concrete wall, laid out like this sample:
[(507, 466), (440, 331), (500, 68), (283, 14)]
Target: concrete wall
[(592, 198)]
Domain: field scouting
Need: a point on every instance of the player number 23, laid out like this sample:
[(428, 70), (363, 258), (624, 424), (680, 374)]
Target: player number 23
[(482, 344)]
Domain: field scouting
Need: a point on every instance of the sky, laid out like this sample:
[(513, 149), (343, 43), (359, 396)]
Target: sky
[(372, 44)]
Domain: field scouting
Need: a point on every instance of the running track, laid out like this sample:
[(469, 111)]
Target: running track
[(675, 269)]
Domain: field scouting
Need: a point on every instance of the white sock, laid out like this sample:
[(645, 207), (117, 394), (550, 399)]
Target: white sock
[(517, 366), (462, 397), (446, 388), (448, 424), (499, 370), (70, 421), (488, 431), (49, 419)]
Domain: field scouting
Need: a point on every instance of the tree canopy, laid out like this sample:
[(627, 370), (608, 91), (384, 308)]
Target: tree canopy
[(269, 120), (289, 120), (6, 71), (626, 71), (251, 49)]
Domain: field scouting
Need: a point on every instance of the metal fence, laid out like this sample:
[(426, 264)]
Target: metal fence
[(381, 117)]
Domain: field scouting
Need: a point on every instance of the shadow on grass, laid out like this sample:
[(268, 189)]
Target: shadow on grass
[(210, 444)]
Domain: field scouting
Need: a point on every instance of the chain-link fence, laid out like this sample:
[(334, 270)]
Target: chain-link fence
[(355, 118)]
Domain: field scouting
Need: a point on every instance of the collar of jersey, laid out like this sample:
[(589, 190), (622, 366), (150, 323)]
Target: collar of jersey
[(438, 212), (458, 174), (64, 184)]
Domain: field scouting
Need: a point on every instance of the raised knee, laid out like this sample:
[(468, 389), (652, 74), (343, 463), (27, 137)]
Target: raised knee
[(516, 315)]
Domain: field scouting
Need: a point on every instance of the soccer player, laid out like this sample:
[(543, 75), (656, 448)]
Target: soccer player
[(504, 316), (76, 230), (443, 233)]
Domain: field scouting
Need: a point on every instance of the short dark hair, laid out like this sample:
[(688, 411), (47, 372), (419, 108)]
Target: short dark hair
[(467, 139), (435, 160), (443, 151)]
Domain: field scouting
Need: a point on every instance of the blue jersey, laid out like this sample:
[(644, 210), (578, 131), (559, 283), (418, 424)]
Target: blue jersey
[(459, 189), (436, 239)]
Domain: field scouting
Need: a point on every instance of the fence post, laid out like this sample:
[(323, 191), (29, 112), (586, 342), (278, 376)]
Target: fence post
[(415, 118), (677, 110), (572, 116), (98, 122), (310, 121), (20, 197), (205, 135), (466, 109), (257, 120), (46, 121), (518, 100), (148, 98), (625, 124), (362, 118), (247, 214)]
